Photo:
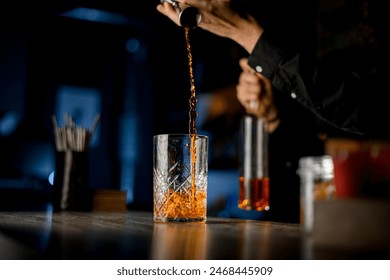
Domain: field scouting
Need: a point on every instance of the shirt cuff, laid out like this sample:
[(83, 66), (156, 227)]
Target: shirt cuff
[(265, 57)]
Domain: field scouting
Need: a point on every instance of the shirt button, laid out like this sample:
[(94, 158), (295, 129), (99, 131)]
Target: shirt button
[(293, 95), (259, 69)]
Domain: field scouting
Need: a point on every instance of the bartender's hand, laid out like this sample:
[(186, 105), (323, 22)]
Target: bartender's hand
[(218, 17), (254, 92), (168, 10)]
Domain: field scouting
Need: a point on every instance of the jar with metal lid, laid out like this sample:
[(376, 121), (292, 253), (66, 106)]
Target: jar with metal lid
[(317, 183)]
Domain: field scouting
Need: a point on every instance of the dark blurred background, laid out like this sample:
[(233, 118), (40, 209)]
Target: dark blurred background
[(126, 61)]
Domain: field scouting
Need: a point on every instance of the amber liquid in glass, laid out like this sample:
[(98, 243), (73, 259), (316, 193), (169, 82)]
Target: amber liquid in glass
[(189, 204), (257, 195)]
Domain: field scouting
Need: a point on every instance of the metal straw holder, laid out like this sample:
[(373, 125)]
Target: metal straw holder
[(70, 190)]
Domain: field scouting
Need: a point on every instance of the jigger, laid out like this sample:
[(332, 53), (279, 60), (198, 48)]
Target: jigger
[(188, 16)]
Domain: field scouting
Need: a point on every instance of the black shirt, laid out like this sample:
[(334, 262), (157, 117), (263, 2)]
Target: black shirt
[(346, 88)]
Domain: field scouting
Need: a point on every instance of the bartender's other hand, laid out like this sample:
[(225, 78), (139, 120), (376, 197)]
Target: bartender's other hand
[(254, 92), (168, 10)]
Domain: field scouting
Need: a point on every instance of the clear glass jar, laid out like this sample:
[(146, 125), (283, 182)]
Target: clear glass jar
[(254, 185)]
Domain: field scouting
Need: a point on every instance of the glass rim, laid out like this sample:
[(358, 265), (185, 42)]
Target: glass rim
[(316, 158), (183, 135)]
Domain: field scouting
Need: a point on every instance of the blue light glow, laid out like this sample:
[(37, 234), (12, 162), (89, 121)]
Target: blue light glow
[(8, 123), (132, 45), (96, 15), (51, 178)]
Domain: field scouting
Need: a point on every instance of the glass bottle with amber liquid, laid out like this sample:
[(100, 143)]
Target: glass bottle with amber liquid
[(254, 189)]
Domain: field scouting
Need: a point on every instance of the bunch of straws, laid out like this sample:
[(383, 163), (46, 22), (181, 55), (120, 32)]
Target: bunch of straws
[(71, 136)]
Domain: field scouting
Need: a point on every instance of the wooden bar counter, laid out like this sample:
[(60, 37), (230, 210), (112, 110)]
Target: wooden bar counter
[(133, 235)]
